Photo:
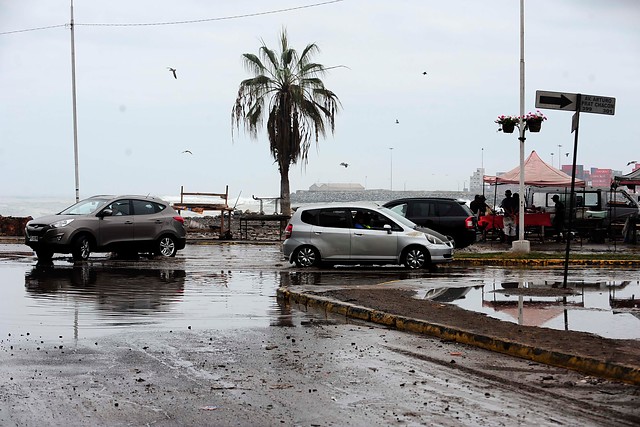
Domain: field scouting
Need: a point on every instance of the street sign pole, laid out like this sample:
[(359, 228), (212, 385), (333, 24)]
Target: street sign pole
[(579, 103), (575, 125)]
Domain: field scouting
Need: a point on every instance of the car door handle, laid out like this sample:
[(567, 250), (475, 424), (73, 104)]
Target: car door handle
[(128, 222), (359, 234)]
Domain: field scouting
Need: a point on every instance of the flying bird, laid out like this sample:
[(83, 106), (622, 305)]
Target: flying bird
[(346, 165), (424, 73), (187, 151), (632, 162), (397, 122), (173, 70)]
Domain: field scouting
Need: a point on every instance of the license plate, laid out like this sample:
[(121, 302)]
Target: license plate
[(33, 238)]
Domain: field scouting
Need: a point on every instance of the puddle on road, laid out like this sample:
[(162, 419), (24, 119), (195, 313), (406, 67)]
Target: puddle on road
[(221, 287), (94, 300), (602, 306)]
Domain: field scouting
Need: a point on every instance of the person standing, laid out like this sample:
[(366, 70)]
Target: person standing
[(478, 206), (509, 221), (558, 217)]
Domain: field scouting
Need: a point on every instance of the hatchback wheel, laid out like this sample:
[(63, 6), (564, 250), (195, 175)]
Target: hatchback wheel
[(415, 258), (81, 249), (306, 256), (166, 246)]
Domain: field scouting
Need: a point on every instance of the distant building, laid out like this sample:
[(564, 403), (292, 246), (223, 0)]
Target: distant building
[(603, 177), (476, 181), (580, 172), (337, 187)]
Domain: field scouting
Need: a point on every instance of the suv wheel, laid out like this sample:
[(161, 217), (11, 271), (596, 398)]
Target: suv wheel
[(415, 258), (81, 249), (166, 246), (306, 256), (44, 255)]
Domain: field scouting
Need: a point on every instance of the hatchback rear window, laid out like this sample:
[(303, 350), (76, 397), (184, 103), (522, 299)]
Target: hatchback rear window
[(334, 218)]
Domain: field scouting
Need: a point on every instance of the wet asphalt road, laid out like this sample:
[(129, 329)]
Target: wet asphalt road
[(201, 340)]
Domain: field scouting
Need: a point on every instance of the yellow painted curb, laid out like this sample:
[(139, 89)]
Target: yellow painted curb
[(586, 365), (547, 262)]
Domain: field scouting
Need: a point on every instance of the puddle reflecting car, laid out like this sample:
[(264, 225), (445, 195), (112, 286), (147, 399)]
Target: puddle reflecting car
[(445, 215), (124, 224), (359, 233)]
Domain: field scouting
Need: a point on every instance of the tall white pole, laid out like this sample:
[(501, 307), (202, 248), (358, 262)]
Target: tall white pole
[(559, 165), (522, 246), (391, 174), (75, 114)]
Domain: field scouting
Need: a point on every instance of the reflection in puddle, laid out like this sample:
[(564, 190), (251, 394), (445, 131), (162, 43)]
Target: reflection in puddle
[(93, 300), (607, 308)]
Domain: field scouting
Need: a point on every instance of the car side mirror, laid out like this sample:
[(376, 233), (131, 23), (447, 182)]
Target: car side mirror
[(387, 227), (105, 212)]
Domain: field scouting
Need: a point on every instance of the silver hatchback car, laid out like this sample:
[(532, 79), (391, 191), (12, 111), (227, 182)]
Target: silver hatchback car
[(361, 233), (125, 224)]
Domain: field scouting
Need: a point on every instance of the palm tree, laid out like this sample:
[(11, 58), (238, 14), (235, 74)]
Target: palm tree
[(300, 108)]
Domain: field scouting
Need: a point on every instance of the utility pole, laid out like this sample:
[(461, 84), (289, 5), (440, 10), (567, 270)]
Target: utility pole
[(75, 114)]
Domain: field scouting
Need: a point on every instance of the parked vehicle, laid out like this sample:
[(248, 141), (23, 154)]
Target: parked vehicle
[(589, 203), (124, 224), (596, 212), (359, 233), (444, 215)]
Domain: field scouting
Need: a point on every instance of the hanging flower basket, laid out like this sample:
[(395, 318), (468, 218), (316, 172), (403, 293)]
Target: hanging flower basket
[(507, 123), (534, 125), (508, 127), (534, 121)]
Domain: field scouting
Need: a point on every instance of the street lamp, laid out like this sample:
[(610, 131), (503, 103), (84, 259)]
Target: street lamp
[(521, 245), (391, 169), (559, 147), (551, 159)]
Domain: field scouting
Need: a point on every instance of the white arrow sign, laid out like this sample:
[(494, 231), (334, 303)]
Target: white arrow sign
[(569, 102), (556, 100)]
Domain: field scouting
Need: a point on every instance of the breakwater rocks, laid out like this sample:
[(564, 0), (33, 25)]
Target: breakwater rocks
[(13, 226), (302, 197)]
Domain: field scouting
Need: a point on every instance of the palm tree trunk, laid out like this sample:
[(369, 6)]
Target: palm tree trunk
[(285, 193)]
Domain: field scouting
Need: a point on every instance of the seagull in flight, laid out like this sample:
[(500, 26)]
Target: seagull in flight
[(632, 162), (173, 70), (187, 151), (424, 73), (346, 165)]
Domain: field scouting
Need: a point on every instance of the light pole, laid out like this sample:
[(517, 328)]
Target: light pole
[(391, 169), (75, 115), (482, 169), (552, 160), (521, 245), (559, 147)]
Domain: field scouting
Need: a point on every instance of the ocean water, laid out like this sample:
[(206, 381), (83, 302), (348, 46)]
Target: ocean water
[(40, 206)]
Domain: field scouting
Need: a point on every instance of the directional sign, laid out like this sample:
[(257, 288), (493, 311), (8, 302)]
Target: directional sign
[(569, 102), (556, 100)]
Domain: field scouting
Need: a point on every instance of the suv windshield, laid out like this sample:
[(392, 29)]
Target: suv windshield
[(84, 207)]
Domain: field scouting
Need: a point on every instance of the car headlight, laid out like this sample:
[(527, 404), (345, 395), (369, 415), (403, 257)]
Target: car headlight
[(433, 239), (62, 223)]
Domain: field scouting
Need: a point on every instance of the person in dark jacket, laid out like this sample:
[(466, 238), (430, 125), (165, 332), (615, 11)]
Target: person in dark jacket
[(558, 218)]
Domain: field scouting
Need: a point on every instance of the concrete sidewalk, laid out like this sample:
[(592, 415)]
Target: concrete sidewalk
[(395, 307)]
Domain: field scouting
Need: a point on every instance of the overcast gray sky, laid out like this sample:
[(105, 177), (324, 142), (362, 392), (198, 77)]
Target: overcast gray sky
[(135, 119)]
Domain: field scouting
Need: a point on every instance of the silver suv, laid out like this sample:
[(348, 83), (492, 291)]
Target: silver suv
[(358, 233), (124, 224)]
